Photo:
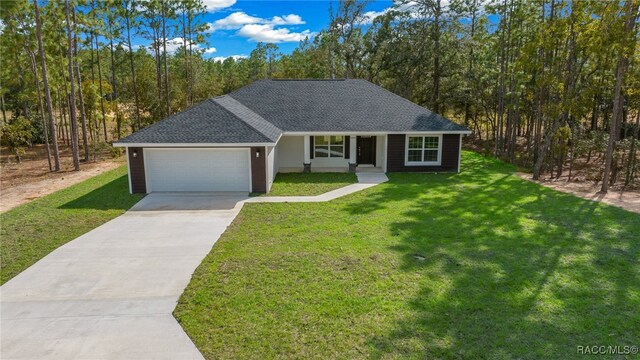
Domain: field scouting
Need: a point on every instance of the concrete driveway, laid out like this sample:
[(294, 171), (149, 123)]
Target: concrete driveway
[(109, 294)]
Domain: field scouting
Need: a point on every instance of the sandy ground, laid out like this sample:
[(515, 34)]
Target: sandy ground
[(629, 200), (21, 183)]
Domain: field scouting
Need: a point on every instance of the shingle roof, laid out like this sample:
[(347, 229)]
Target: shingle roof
[(206, 122), (262, 111), (337, 105), (251, 118)]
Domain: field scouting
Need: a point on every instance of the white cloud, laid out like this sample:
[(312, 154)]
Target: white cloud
[(234, 21), (176, 44), (262, 29), (369, 16), (234, 57), (411, 8), (239, 19), (291, 19), (267, 33), (215, 5)]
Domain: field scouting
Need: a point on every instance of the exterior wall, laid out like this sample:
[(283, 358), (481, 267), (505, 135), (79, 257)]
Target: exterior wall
[(259, 169), (396, 147), (290, 152), (329, 162), (380, 150), (271, 169), (136, 170)]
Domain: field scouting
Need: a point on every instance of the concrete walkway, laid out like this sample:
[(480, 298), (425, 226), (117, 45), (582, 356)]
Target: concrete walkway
[(365, 181), (110, 293)]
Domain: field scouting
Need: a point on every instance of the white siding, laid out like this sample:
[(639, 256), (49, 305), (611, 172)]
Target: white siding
[(329, 162), (380, 155), (271, 169), (290, 152)]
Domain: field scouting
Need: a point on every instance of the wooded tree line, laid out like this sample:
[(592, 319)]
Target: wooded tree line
[(540, 83)]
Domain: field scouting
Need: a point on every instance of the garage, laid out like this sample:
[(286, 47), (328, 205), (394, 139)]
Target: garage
[(199, 169)]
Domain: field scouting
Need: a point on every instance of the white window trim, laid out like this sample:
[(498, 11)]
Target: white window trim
[(315, 145), (422, 163)]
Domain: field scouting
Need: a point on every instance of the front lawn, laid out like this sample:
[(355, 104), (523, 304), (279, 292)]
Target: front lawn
[(474, 265), (33, 230), (309, 184)]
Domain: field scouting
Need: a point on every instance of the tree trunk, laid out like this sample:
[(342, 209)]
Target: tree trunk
[(631, 12), (467, 107), (186, 58), (95, 135), (114, 84), (164, 46), (435, 95), (4, 111), (133, 68), (72, 96), (63, 117), (104, 116), (190, 55), (499, 146), (47, 91), (83, 117), (156, 47), (632, 152), (45, 130)]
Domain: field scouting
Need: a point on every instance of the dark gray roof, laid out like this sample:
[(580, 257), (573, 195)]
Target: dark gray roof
[(206, 122), (337, 105), (261, 111), (254, 120)]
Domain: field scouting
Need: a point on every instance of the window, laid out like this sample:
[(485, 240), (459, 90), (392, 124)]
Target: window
[(328, 146), (423, 150)]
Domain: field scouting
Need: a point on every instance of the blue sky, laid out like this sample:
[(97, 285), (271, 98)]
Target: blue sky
[(237, 25)]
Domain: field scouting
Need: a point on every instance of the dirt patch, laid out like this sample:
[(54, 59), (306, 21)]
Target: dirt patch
[(626, 199), (21, 183)]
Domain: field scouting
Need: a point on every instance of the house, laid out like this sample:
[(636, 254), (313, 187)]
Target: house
[(240, 141)]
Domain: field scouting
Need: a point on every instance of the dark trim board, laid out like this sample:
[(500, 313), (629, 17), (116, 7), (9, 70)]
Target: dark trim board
[(347, 147), (396, 144), (259, 170), (136, 170)]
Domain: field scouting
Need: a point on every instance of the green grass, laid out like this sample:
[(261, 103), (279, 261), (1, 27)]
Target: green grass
[(474, 265), (33, 230), (309, 184)]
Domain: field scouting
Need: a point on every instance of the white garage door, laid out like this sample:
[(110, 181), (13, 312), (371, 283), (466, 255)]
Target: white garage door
[(197, 169)]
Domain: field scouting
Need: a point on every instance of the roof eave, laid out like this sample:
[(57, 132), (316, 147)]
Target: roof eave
[(192, 145), (349, 132)]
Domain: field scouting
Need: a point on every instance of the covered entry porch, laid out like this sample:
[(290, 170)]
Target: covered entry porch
[(332, 153)]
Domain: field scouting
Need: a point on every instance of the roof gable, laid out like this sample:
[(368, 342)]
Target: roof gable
[(206, 122), (251, 118)]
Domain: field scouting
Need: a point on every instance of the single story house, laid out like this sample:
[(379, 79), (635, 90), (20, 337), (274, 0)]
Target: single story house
[(240, 141)]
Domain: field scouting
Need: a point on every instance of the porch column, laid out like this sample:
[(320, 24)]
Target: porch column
[(307, 153), (352, 149), (352, 153), (384, 153)]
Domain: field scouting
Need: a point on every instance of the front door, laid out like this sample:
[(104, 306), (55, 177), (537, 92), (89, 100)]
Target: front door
[(366, 148)]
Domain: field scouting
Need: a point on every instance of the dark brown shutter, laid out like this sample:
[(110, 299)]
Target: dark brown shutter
[(311, 152), (347, 148)]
